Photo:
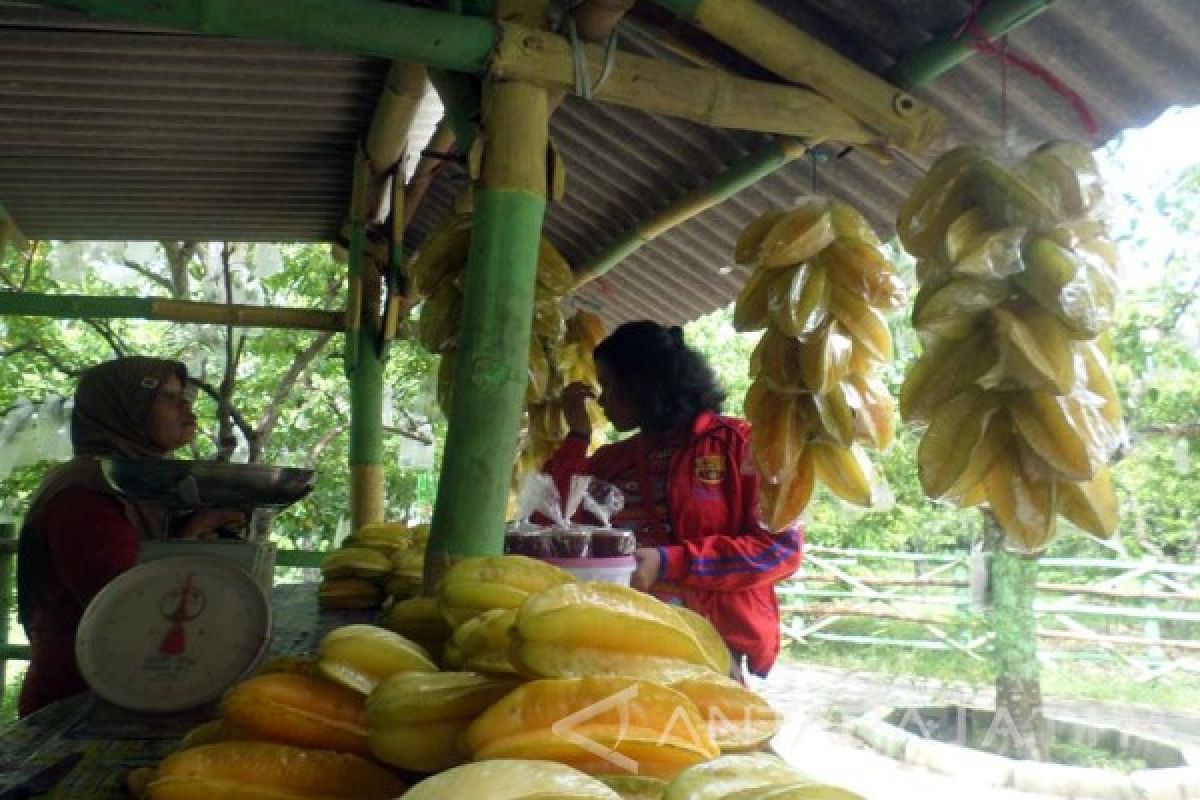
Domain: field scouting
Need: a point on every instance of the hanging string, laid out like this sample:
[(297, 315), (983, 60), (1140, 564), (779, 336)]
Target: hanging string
[(982, 42), (583, 81), (812, 160)]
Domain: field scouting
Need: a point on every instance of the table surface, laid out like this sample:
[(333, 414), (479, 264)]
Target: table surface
[(114, 740)]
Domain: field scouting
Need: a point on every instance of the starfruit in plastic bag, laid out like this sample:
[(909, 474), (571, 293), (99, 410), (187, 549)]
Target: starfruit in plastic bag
[(784, 500), (949, 444), (539, 373), (1034, 350), (846, 471), (798, 298), (936, 201), (553, 272), (1091, 505), (1075, 285), (945, 368), (824, 357), (750, 311), (875, 420), (953, 310), (1024, 504), (835, 413), (585, 328), (776, 361), (441, 315), (749, 242), (861, 269), (865, 325), (1071, 438), (1008, 201), (798, 235), (849, 223), (443, 254), (995, 255)]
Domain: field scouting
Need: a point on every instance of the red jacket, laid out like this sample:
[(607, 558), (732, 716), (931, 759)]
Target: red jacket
[(84, 542), (723, 560)]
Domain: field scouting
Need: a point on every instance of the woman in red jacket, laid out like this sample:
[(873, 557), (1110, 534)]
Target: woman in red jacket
[(78, 535), (691, 492)]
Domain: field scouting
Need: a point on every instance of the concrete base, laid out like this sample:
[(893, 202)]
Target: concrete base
[(1175, 772)]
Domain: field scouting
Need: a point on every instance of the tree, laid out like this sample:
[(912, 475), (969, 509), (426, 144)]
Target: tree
[(269, 395)]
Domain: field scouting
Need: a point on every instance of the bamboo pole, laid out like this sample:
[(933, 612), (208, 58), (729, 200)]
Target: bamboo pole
[(387, 138), (519, 53), (948, 50), (493, 345), (370, 27), (736, 177), (74, 306), (789, 52), (363, 361), (708, 96)]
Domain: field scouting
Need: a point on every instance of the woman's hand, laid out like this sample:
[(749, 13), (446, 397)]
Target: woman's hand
[(208, 521), (574, 407), (645, 574)]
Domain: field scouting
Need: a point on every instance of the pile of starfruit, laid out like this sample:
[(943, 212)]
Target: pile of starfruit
[(819, 287), (379, 561), (541, 685), (744, 777), (1018, 281)]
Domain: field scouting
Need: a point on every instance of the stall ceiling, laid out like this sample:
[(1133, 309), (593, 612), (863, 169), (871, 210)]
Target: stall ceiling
[(110, 131)]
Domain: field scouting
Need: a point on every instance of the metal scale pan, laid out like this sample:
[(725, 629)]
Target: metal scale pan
[(193, 485)]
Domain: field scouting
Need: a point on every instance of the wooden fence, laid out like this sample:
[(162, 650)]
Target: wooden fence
[(1143, 614)]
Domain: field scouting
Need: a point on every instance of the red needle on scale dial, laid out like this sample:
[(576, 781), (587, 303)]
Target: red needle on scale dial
[(175, 642)]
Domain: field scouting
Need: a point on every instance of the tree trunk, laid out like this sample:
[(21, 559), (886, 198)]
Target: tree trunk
[(1018, 728)]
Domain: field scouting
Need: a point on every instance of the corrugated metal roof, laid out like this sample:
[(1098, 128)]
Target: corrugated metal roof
[(118, 132), (110, 131), (1129, 60)]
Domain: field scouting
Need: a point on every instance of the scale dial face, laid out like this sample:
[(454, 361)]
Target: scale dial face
[(173, 633)]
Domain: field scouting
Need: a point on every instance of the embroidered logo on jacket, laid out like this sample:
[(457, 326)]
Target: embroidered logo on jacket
[(710, 469)]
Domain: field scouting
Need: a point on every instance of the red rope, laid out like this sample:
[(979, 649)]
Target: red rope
[(982, 42)]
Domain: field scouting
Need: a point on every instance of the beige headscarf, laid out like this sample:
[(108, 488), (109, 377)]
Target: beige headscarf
[(112, 406)]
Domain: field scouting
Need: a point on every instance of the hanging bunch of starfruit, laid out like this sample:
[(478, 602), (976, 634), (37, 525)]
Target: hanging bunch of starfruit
[(1018, 282), (819, 287), (570, 361), (436, 273)]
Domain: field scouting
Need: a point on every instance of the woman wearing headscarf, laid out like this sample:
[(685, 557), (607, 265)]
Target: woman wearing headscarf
[(691, 493), (78, 534)]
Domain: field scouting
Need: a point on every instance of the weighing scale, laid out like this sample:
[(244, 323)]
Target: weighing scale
[(192, 617)]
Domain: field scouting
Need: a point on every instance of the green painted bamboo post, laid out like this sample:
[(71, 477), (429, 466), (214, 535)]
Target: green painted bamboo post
[(364, 366), (493, 344)]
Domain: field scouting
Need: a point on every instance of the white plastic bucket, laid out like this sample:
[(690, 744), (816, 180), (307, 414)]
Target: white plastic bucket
[(608, 570)]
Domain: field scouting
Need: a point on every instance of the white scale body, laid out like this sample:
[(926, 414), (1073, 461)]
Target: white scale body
[(173, 633)]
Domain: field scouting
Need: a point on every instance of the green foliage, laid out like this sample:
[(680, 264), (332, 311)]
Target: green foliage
[(312, 417)]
